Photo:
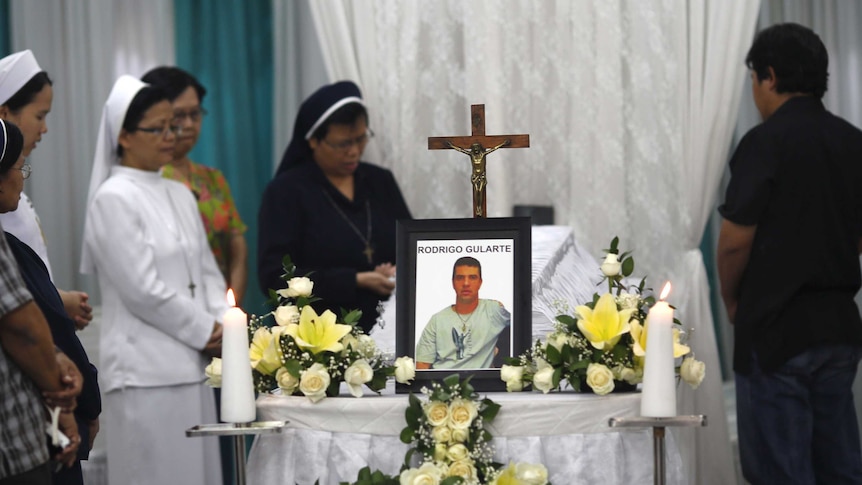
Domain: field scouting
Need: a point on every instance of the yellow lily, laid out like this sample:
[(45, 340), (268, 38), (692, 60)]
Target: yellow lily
[(265, 352), (639, 334), (317, 333), (604, 325)]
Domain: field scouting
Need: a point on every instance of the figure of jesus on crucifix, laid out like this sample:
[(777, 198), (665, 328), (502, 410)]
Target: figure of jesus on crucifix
[(474, 146), (478, 178)]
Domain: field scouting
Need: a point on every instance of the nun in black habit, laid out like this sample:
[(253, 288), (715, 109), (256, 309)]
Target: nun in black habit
[(332, 213)]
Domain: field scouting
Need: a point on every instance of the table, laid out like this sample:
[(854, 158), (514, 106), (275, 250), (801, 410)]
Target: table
[(566, 431)]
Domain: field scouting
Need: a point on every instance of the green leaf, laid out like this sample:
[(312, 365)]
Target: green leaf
[(452, 481), (407, 435), (516, 361), (575, 382), (293, 367), (287, 264), (490, 411), (567, 320), (377, 382), (628, 266), (413, 415), (451, 380), (553, 355), (351, 317), (273, 297), (556, 380), (333, 389), (614, 242), (566, 354)]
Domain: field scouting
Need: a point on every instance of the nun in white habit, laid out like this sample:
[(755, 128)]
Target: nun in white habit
[(162, 297)]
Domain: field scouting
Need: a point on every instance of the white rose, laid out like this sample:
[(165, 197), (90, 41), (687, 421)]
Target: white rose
[(611, 265), (692, 371), (440, 451), (286, 381), (513, 376), (457, 452), (299, 286), (441, 434), (462, 468), (213, 373), (543, 379), (286, 314), (314, 382), (405, 370), (600, 379), (427, 474), (462, 413), (437, 413), (460, 435), (358, 374), (530, 474)]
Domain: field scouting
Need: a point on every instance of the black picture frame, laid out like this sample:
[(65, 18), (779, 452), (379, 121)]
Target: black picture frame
[(426, 252)]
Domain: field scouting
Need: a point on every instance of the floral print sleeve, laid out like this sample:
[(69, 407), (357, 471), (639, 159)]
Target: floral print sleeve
[(215, 203)]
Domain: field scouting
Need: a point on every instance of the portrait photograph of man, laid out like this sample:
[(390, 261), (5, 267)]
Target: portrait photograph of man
[(467, 326)]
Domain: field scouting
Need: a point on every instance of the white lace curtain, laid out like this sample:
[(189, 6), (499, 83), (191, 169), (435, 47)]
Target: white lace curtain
[(629, 105)]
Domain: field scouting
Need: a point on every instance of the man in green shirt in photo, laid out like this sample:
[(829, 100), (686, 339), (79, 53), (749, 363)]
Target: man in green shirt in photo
[(463, 335)]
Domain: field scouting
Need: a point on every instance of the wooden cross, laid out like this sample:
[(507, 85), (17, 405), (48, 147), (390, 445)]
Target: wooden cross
[(474, 146)]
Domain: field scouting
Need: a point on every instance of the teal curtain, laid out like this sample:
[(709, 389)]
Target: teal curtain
[(227, 45), (5, 37)]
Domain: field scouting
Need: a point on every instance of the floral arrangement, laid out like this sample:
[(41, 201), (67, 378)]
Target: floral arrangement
[(603, 344), (449, 436), (308, 354)]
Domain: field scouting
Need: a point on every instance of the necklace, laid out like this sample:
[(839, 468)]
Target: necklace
[(368, 251), (464, 320), (178, 234)]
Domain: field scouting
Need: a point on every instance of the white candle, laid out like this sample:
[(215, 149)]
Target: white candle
[(658, 398), (237, 390)]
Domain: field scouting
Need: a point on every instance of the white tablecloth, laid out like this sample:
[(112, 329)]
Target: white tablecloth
[(568, 432)]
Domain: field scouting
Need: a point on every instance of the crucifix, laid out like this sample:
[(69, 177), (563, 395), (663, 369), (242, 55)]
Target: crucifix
[(474, 146)]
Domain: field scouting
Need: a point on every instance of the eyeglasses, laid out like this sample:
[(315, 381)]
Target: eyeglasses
[(25, 170), (194, 114), (176, 130), (346, 145)]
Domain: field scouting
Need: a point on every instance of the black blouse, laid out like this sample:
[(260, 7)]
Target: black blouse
[(302, 214)]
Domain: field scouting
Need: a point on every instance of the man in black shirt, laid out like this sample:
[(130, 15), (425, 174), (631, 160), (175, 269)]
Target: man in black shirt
[(789, 268)]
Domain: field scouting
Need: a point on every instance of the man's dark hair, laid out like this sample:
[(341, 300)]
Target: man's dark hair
[(467, 261), (796, 54), (174, 81), (348, 114)]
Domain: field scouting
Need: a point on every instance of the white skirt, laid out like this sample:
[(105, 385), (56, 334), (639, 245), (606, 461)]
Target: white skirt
[(145, 436)]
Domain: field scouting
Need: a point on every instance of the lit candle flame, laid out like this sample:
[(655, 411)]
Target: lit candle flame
[(665, 291), (231, 300)]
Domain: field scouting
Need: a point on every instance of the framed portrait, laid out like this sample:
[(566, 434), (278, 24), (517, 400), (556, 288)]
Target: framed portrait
[(463, 297)]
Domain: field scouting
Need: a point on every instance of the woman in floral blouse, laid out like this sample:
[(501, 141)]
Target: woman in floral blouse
[(225, 229)]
